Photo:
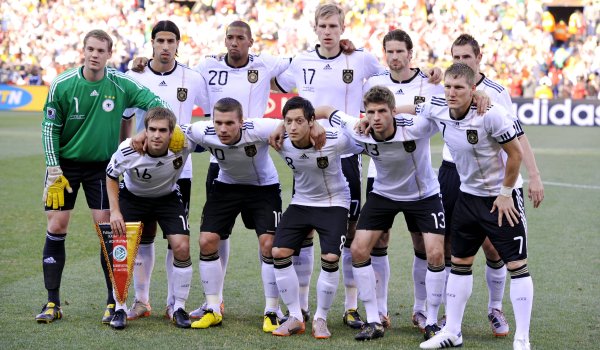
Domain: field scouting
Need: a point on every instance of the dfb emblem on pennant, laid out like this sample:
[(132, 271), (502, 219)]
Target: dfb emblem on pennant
[(472, 136), (252, 75), (347, 75), (419, 99), (250, 150), (178, 162), (182, 94), (322, 162), (409, 146)]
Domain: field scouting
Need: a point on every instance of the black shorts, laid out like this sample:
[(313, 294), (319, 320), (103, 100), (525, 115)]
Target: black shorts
[(167, 210), (185, 190), (449, 188), (425, 215), (260, 203), (473, 222), (370, 182), (298, 221), (92, 175), (352, 170)]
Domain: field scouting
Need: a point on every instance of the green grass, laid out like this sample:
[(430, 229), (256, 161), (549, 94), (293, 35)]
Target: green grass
[(563, 247)]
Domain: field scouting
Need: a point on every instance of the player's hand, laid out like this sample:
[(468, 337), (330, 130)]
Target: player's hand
[(139, 64), (482, 101), (276, 137), (117, 224), (178, 140), (435, 75), (317, 136), (506, 208), (362, 127), (54, 191), (535, 190), (347, 46), (138, 142)]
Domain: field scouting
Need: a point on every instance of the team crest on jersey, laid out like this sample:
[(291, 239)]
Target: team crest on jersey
[(250, 150), (472, 136), (108, 105), (348, 75), (252, 75), (182, 94), (178, 162), (322, 162), (50, 113), (409, 146), (419, 99)]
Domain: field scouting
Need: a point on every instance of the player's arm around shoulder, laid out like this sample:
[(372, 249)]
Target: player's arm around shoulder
[(137, 94)]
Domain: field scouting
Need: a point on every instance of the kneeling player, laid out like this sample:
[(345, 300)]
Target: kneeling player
[(149, 193), (321, 201)]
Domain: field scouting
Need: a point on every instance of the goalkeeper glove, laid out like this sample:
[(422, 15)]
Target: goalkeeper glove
[(56, 183), (178, 140)]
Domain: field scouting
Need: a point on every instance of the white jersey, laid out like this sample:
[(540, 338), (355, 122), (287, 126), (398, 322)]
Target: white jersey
[(181, 87), (404, 171), (247, 162), (475, 144), (145, 175), (250, 85), (318, 177), (416, 89), (335, 81), (500, 96)]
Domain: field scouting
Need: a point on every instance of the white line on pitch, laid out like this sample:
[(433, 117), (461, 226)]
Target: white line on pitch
[(561, 184)]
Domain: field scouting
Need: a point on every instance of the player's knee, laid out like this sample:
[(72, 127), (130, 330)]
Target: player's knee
[(280, 253), (358, 252), (266, 243), (181, 250), (330, 257), (209, 241), (516, 265)]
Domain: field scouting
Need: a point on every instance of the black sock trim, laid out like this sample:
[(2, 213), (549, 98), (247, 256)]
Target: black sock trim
[(282, 263), (519, 272), (209, 257), (267, 259), (494, 264), (462, 269), (438, 268), (421, 255), (182, 263), (330, 266), (307, 242), (379, 251), (360, 264)]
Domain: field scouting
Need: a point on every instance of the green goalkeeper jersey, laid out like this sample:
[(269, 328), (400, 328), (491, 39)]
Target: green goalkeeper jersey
[(82, 119)]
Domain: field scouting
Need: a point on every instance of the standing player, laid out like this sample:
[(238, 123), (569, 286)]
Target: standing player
[(405, 182), (150, 192), (320, 202), (80, 132), (487, 202), (181, 87), (409, 85), (326, 77), (465, 49)]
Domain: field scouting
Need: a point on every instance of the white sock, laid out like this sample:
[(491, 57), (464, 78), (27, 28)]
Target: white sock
[(326, 287), (350, 290), (447, 270), (269, 286), (142, 273), (169, 270), (181, 281), (458, 291), (224, 256), (496, 281), (521, 296), (365, 281), (287, 282), (435, 287), (419, 272), (211, 275), (303, 265), (119, 306), (381, 266)]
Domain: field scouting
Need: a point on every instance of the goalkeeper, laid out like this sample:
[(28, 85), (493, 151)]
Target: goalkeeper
[(80, 132)]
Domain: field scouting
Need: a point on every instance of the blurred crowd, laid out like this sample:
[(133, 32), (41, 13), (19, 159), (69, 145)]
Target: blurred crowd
[(524, 47)]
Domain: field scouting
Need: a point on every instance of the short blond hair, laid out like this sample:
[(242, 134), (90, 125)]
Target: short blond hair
[(327, 10)]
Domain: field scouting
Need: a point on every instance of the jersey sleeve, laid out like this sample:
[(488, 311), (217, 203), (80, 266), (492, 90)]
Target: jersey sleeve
[(197, 131), (343, 121), (372, 65), (52, 124), (118, 162), (499, 125), (286, 81), (263, 127), (415, 128), (277, 65), (140, 96), (348, 145)]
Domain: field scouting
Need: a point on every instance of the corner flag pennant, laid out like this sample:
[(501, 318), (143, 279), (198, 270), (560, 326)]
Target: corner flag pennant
[(120, 252)]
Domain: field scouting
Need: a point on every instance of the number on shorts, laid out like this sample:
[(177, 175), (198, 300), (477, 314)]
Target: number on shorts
[(520, 239), (277, 215), (184, 222), (441, 223), (354, 204)]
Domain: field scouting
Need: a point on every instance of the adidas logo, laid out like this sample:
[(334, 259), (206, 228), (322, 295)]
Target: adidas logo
[(162, 83), (303, 156), (327, 67), (399, 92), (159, 163), (94, 93), (49, 260)]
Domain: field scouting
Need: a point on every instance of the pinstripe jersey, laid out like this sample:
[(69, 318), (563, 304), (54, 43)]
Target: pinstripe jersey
[(415, 90), (145, 175), (403, 162), (247, 162), (475, 144), (182, 87), (500, 96), (318, 177), (82, 119)]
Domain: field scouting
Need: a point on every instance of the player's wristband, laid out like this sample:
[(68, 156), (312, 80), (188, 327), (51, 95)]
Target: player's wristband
[(506, 191)]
